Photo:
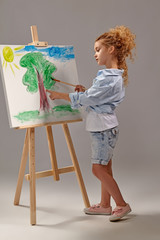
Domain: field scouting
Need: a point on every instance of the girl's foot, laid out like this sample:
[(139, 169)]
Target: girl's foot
[(120, 212), (98, 210)]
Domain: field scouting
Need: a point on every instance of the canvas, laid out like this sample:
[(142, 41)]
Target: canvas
[(27, 71)]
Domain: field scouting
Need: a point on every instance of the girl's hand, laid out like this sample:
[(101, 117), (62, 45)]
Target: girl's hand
[(80, 88), (57, 95), (53, 95)]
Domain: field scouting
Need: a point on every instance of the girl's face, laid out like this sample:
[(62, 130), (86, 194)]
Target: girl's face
[(103, 55)]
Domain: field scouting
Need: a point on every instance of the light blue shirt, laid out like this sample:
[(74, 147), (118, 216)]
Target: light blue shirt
[(104, 95)]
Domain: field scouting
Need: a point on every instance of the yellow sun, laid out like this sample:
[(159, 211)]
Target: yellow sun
[(8, 55)]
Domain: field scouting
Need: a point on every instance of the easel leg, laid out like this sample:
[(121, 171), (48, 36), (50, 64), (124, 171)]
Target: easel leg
[(32, 176), (52, 153), (22, 170), (76, 165)]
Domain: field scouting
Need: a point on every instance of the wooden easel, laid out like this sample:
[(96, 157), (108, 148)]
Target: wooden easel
[(29, 147)]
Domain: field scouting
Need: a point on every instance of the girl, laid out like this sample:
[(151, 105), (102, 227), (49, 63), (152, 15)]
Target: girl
[(108, 90)]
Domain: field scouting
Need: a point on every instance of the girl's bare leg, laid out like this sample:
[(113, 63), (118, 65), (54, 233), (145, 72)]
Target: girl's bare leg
[(109, 184), (105, 196)]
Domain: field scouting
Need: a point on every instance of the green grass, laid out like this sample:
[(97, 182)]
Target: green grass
[(59, 111)]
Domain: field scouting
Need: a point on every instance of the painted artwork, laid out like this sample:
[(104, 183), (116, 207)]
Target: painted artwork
[(27, 71)]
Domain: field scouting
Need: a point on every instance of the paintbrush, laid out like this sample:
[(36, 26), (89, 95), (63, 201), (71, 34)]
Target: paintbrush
[(70, 84), (63, 82)]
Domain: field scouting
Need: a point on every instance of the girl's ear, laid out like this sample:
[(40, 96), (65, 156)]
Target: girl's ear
[(111, 49)]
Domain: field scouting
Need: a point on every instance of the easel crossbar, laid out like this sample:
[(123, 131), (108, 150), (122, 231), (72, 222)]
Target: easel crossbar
[(49, 173)]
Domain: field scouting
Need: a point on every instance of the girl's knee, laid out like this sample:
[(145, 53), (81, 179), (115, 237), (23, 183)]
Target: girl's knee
[(99, 170), (96, 168)]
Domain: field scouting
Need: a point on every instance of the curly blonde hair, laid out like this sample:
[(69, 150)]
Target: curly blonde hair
[(123, 41)]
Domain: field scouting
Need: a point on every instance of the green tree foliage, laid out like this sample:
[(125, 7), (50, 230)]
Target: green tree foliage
[(34, 62)]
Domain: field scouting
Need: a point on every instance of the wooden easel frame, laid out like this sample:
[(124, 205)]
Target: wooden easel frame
[(29, 150)]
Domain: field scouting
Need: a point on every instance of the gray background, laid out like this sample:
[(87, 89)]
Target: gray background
[(136, 160)]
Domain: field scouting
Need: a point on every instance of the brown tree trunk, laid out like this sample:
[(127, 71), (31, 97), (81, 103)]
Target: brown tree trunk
[(44, 104)]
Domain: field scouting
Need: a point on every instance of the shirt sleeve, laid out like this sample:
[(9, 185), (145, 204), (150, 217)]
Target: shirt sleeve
[(104, 90)]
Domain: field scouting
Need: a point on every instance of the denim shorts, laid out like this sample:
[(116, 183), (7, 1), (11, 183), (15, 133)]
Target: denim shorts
[(102, 145)]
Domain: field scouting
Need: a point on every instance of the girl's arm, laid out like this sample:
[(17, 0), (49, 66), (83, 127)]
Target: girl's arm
[(58, 95)]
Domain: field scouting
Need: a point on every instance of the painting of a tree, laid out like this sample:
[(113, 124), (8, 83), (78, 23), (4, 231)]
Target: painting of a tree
[(38, 76), (27, 72)]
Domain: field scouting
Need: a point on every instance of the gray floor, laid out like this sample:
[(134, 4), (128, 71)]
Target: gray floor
[(60, 212)]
